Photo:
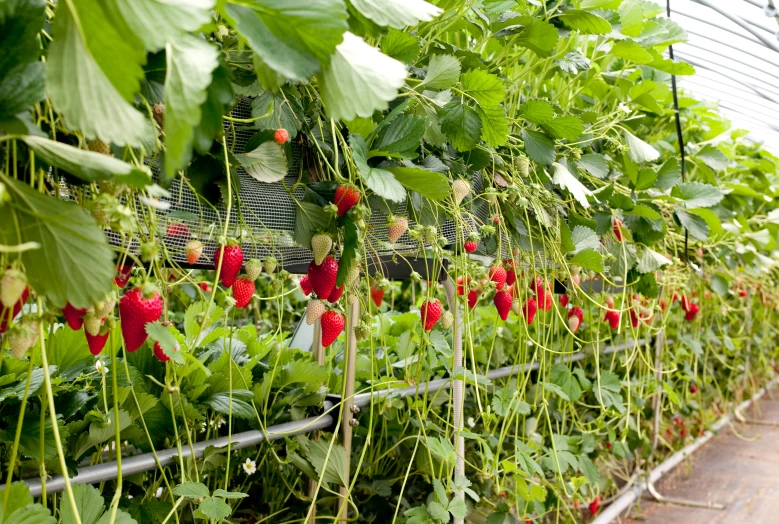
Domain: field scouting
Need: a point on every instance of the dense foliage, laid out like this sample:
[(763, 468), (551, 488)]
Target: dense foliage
[(516, 146)]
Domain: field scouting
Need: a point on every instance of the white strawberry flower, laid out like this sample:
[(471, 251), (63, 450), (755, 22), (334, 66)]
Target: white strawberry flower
[(100, 367), (471, 422), (625, 108), (500, 331), (250, 467)]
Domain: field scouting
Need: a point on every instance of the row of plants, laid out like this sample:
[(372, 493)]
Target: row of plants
[(539, 136)]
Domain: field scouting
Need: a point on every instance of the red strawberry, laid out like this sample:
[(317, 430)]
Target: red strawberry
[(608, 445), (243, 290), (529, 310), (563, 300), (685, 302), (332, 324), (205, 287), (194, 250), (377, 294), (123, 274), (322, 277), (473, 297), (430, 312), (742, 293), (335, 294), (692, 312), (595, 505), (159, 353), (178, 229), (633, 319), (97, 342), (503, 302), (663, 304), (470, 246), (693, 389), (74, 317), (281, 136), (496, 219), (136, 310), (4, 316), (462, 285), (618, 229), (498, 275), (231, 263), (613, 318), (511, 272), (305, 285), (545, 299), (345, 198)]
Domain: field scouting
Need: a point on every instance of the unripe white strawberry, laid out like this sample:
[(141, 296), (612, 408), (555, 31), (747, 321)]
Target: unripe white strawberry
[(321, 244), (447, 320), (353, 274), (523, 166), (430, 235), (460, 189), (12, 286), (105, 306), (516, 306), (92, 322), (253, 268), (314, 311), (270, 264), (21, 338), (362, 331), (397, 228)]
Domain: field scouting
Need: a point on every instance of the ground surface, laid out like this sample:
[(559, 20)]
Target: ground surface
[(737, 468)]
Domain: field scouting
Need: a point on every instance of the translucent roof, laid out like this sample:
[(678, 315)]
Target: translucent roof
[(734, 46)]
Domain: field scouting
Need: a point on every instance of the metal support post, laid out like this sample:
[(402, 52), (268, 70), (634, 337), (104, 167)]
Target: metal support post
[(348, 409), (318, 356)]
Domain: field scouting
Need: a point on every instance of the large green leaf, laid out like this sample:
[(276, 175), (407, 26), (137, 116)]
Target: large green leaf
[(329, 461), (18, 497), (536, 111), (359, 80), (594, 164), (32, 514), (565, 127), (87, 165), (22, 78), (74, 262), (638, 150), (310, 218), (539, 147), (487, 89), (190, 65), (630, 50), (214, 509), (631, 16), (494, 125), (156, 21), (267, 163), (562, 377), (293, 37), (540, 37), (401, 45), (695, 194), (429, 184), (585, 22), (380, 181), (563, 178), (402, 135), (89, 504), (286, 111), (443, 71), (396, 13), (94, 70), (588, 259), (461, 124), (696, 225)]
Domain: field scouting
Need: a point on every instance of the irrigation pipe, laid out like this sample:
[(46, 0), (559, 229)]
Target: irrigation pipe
[(612, 512)]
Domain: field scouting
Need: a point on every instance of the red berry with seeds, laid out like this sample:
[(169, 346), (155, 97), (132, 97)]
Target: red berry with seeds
[(232, 260), (177, 229), (470, 246), (693, 389), (503, 302), (332, 324), (498, 275), (194, 251), (96, 343), (281, 136), (346, 197), (323, 276), (335, 294), (618, 230), (73, 316), (529, 310), (377, 295), (511, 272), (473, 298), (123, 274), (462, 285), (595, 505), (135, 311), (305, 285), (430, 312), (564, 300), (160, 353), (396, 229), (243, 290)]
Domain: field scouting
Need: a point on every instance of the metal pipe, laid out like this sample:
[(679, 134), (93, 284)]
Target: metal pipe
[(718, 26), (318, 355), (347, 406), (741, 23)]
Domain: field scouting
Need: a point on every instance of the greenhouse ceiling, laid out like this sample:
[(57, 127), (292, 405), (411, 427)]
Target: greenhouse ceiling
[(734, 46)]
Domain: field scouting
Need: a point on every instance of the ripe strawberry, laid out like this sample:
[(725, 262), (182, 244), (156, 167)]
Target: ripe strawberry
[(693, 389), (123, 274), (503, 302), (177, 229), (314, 310), (496, 219), (345, 198), (612, 317), (12, 285), (545, 300), (462, 285), (470, 246), (322, 276), (430, 311), (663, 304), (595, 505), (74, 317), (460, 190), (136, 310), (305, 285), (231, 263), (511, 272), (335, 294), (377, 295), (159, 353), (473, 297), (205, 287), (618, 229), (270, 264), (742, 293), (97, 342), (243, 290), (498, 275), (633, 318), (564, 300), (332, 324), (608, 445), (396, 229), (529, 310), (252, 268), (321, 244), (281, 136), (4, 315), (692, 312)]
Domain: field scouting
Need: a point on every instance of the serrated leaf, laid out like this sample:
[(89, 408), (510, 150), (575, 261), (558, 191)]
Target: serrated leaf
[(461, 124), (214, 508), (457, 508), (632, 51), (396, 13), (536, 111), (487, 89), (74, 262), (631, 17), (662, 32), (565, 127), (380, 181), (584, 238), (400, 45), (402, 135), (562, 377), (309, 219), (594, 164), (429, 184), (696, 225), (588, 259), (32, 514), (554, 388), (539, 147), (651, 261), (494, 125), (238, 405), (540, 37), (585, 22), (443, 71), (669, 174), (696, 194), (563, 178), (285, 108), (713, 157), (87, 165), (192, 490), (89, 504), (230, 494), (327, 459), (267, 163), (156, 21), (638, 150)]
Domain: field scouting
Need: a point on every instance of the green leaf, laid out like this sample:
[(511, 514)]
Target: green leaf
[(20, 23), (461, 124), (565, 127), (630, 50), (400, 45), (190, 65), (74, 262), (608, 391), (669, 174), (562, 377), (285, 108), (381, 182), (91, 51), (396, 13), (443, 71), (588, 469), (309, 219), (20, 88), (87, 165), (696, 225), (651, 261), (429, 184), (230, 494), (588, 259), (600, 4), (540, 37), (100, 432), (713, 157), (585, 22), (215, 508), (715, 224), (32, 514), (359, 80), (536, 111), (89, 504), (267, 163), (329, 460), (122, 517), (157, 21), (438, 511), (539, 147), (696, 194), (239, 406), (167, 341), (631, 16), (457, 508), (402, 135), (349, 253), (18, 497), (293, 37), (494, 125), (584, 238), (662, 32), (487, 89), (554, 388), (638, 150), (671, 67), (594, 164), (192, 490), (645, 180), (563, 178)]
